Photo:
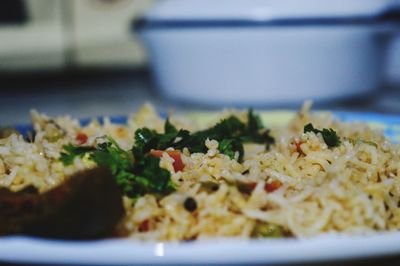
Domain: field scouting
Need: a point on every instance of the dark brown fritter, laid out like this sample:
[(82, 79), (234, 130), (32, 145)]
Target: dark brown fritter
[(86, 206), (5, 132)]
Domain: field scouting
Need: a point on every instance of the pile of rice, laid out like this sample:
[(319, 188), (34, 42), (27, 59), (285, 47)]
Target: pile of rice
[(353, 188)]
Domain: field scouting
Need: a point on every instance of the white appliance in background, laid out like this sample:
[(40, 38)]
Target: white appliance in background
[(99, 32), (61, 33), (35, 41)]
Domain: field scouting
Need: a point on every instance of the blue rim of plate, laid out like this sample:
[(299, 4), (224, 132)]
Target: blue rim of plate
[(390, 122), (25, 129)]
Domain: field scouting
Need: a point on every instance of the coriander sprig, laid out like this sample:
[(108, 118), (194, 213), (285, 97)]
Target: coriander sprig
[(138, 171), (329, 135)]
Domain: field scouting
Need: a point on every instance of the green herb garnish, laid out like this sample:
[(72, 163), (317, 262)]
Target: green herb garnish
[(138, 172), (329, 135), (230, 147), (135, 175), (230, 132), (71, 151), (267, 230)]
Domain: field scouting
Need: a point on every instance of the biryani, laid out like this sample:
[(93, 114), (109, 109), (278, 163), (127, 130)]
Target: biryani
[(311, 176)]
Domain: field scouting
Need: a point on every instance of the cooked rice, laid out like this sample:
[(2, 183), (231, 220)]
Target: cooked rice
[(353, 188)]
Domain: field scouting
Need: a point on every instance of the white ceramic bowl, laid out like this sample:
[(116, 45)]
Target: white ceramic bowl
[(259, 53)]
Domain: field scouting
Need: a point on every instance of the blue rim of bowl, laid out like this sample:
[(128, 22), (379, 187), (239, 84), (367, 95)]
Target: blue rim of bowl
[(391, 16)]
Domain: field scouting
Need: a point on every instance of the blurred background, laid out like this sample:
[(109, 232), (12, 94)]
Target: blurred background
[(95, 57)]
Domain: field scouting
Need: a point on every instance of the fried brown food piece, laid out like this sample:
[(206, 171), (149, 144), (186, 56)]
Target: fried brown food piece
[(5, 132), (86, 206)]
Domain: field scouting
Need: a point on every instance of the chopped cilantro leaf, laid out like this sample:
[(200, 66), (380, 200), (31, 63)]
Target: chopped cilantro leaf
[(231, 133), (254, 122), (310, 128), (136, 176), (145, 139), (71, 151), (137, 172), (267, 230), (169, 128), (329, 135), (230, 147)]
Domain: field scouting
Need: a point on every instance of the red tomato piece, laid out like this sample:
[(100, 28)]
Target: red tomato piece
[(144, 226), (298, 148), (82, 138), (271, 187), (252, 186), (175, 154)]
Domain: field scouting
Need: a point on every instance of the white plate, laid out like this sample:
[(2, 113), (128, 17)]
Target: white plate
[(329, 247), (223, 251)]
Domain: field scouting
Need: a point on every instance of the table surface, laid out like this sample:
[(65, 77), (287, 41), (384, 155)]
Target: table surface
[(95, 93)]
